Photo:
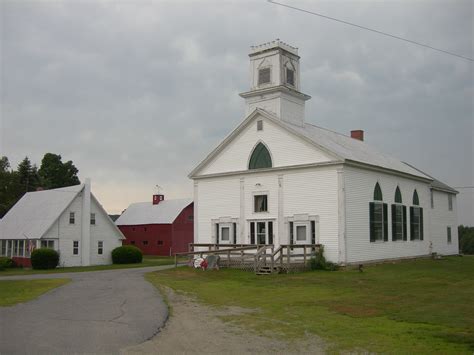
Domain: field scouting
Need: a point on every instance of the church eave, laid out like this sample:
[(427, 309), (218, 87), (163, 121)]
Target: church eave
[(269, 90)]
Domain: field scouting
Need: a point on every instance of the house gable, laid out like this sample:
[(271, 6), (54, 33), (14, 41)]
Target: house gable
[(286, 148)]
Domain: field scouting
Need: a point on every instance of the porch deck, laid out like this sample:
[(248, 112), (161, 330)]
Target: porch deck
[(258, 258)]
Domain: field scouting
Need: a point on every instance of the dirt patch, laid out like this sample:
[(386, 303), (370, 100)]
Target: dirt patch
[(196, 328)]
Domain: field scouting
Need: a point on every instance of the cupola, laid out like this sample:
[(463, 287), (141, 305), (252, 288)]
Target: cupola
[(275, 82)]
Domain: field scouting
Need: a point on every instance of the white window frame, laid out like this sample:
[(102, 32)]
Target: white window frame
[(450, 202), (307, 226), (72, 217), (75, 249)]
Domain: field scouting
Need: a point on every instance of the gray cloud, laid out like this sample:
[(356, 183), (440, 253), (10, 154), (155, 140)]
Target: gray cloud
[(137, 93)]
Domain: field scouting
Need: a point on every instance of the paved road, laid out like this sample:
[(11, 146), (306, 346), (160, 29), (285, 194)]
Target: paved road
[(97, 312)]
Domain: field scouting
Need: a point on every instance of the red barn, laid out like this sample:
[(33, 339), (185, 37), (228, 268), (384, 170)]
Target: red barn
[(162, 227)]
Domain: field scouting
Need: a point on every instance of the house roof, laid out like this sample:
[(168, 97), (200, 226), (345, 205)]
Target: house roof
[(341, 147), (35, 213), (164, 212), (436, 184)]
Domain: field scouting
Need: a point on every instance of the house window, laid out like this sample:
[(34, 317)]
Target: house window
[(416, 223), (132, 242), (160, 242), (399, 218), (145, 242), (259, 125), (75, 247), (450, 202), (225, 234), (261, 233), (448, 231), (3, 249), (92, 218), (260, 157), (431, 198), (260, 203), (290, 77), (263, 76), (47, 244), (72, 218), (416, 200), (21, 247), (190, 217), (300, 233), (100, 247), (378, 217)]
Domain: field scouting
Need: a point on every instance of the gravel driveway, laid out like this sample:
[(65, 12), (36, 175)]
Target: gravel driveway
[(97, 312)]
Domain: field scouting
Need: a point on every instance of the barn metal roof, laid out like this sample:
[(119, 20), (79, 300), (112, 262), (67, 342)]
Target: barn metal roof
[(164, 212), (35, 213)]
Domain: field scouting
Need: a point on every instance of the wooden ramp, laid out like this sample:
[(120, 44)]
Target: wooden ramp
[(258, 258)]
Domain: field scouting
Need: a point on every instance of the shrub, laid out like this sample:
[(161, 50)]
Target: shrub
[(319, 262), (44, 258), (127, 254), (6, 263)]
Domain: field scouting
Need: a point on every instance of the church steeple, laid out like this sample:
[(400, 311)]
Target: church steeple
[(275, 81)]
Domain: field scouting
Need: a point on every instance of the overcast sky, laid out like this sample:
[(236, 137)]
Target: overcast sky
[(136, 93)]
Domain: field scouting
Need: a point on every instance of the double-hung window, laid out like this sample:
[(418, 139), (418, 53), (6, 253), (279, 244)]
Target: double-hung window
[(100, 247), (75, 247), (92, 218), (72, 218), (261, 203)]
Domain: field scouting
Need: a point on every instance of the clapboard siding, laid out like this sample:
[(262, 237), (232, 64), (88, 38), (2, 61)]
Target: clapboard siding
[(285, 148), (441, 218), (314, 192), (220, 198), (359, 187)]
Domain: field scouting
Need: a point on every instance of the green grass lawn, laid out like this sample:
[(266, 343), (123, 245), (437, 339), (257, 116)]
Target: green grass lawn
[(13, 292), (148, 260), (420, 306)]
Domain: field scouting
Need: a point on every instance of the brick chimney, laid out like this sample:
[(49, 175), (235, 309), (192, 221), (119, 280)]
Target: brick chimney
[(358, 134), (158, 198)]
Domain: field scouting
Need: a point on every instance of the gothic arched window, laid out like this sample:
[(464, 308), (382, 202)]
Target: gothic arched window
[(416, 200), (260, 158), (399, 218), (378, 217)]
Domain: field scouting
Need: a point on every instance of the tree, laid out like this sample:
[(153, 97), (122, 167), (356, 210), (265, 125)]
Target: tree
[(28, 175), (4, 164), (10, 187), (54, 173)]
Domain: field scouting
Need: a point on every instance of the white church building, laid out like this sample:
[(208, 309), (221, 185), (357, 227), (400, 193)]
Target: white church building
[(69, 220), (276, 179)]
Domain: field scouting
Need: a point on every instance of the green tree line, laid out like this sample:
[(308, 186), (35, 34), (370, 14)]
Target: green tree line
[(466, 239), (52, 174)]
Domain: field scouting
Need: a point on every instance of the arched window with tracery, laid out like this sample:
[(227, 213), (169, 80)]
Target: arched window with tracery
[(260, 158)]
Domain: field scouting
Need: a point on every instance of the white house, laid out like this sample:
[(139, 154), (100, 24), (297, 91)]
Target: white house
[(69, 220), (276, 179)]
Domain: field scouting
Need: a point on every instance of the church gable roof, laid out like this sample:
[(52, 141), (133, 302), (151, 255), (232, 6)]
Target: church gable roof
[(33, 215), (339, 147)]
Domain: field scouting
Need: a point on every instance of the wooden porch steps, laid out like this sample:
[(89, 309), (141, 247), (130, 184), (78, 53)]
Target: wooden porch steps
[(267, 270)]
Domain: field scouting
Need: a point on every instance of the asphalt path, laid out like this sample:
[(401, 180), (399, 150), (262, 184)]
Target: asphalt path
[(97, 312)]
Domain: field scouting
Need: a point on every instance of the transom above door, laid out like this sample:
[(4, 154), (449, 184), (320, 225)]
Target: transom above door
[(261, 232)]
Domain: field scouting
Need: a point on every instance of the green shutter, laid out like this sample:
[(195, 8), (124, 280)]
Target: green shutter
[(385, 222), (371, 221), (412, 226), (421, 223), (260, 158), (394, 217), (217, 233), (270, 232), (405, 223), (291, 233), (252, 232)]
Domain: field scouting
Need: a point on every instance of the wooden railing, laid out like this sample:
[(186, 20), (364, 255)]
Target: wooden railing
[(254, 256)]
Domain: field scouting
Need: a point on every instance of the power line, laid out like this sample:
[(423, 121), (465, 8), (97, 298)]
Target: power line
[(371, 29)]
